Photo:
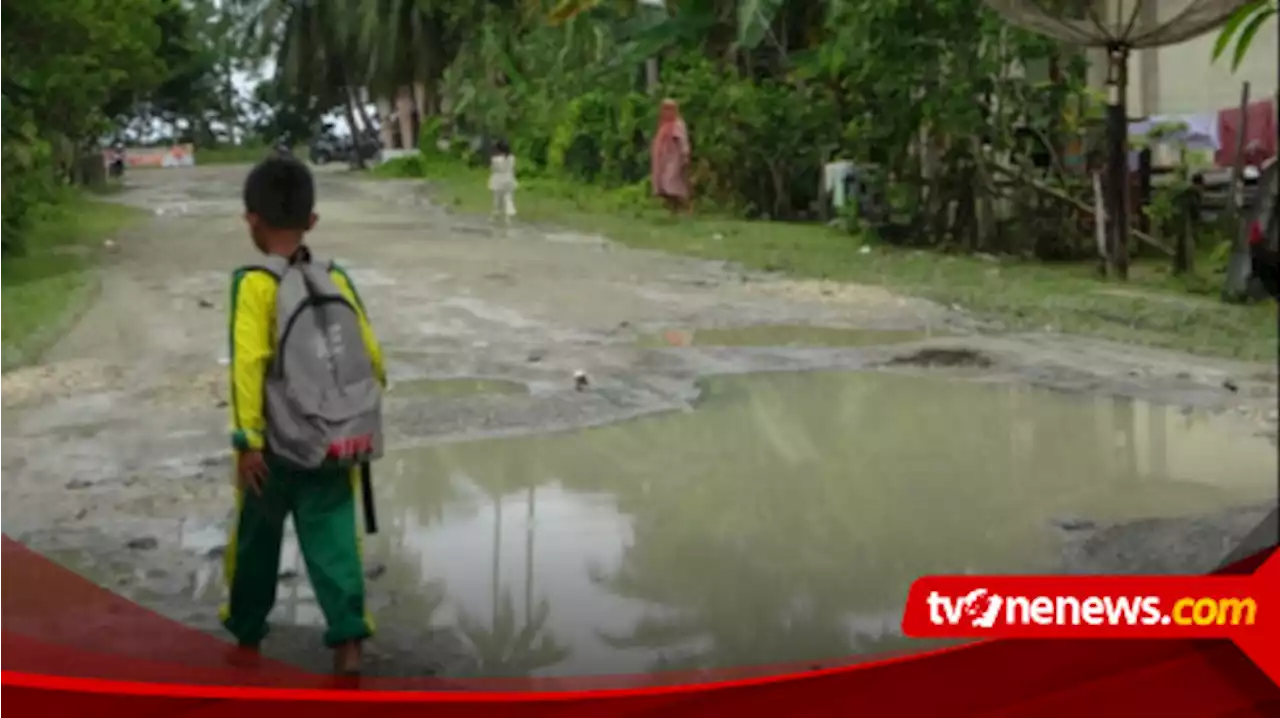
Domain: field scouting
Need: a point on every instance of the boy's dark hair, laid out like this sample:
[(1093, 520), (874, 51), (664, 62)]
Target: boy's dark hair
[(281, 192), (500, 147)]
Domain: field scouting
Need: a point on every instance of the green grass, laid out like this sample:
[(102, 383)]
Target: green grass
[(1152, 309), (44, 290)]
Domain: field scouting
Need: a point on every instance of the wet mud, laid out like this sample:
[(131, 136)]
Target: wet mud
[(748, 495), (798, 335)]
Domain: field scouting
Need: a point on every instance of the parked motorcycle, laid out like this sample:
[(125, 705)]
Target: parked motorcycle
[(366, 147), (325, 148), (116, 168)]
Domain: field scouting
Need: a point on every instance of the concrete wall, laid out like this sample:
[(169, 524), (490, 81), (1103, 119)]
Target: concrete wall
[(1187, 80), (1184, 79)]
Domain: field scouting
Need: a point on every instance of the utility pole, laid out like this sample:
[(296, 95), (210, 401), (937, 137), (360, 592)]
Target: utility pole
[(651, 77)]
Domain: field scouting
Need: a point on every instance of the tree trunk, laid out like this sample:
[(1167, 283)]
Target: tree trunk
[(384, 124), (1236, 286), (361, 96), (420, 98), (357, 158), (404, 117)]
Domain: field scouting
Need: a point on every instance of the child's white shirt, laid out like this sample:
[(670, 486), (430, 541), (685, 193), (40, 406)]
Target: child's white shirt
[(502, 173)]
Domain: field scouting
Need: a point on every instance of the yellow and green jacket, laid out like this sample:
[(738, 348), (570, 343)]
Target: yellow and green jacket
[(253, 333)]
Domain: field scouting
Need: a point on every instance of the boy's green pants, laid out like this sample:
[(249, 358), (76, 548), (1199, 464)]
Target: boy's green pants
[(323, 504)]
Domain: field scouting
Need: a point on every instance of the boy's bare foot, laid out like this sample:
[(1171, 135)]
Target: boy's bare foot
[(346, 659)]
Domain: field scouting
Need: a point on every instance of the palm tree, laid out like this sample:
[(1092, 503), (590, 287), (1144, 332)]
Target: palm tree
[(505, 648), (315, 51)]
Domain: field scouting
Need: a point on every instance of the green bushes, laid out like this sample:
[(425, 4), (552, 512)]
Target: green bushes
[(26, 183), (402, 167), (69, 67), (921, 93), (758, 146)]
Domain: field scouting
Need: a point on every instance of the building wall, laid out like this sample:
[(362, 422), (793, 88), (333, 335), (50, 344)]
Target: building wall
[(1189, 81), (1184, 79)]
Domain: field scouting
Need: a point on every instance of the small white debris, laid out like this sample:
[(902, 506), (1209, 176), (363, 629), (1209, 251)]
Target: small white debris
[(109, 245), (866, 249), (223, 361), (717, 236)]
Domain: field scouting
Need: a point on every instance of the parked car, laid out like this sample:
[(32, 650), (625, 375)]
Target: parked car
[(327, 147)]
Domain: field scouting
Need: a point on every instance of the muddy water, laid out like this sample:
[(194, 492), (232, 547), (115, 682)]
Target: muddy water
[(782, 520), (794, 335)]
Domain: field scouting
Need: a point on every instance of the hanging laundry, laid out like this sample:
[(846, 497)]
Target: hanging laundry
[(1260, 134), (1201, 134), (1202, 130)]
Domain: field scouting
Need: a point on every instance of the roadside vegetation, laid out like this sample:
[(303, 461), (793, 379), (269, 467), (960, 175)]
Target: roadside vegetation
[(43, 291), (983, 204), (1153, 309)]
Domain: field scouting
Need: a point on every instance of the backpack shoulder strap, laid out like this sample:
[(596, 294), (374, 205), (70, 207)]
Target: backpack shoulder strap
[(274, 265)]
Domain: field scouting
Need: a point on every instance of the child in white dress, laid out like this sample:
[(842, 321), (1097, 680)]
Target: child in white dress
[(502, 181)]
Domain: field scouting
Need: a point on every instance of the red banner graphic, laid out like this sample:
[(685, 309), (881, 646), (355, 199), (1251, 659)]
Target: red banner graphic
[(71, 646), (1244, 609)]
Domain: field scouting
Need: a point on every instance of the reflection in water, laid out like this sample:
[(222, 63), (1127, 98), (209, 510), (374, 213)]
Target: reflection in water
[(782, 520)]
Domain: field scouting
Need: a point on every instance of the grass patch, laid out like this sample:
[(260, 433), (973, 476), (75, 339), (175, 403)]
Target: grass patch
[(1152, 309), (44, 290)]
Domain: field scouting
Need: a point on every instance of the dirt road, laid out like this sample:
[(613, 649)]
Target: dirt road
[(115, 452)]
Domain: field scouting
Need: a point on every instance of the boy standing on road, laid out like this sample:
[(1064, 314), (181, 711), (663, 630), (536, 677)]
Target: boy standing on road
[(306, 381)]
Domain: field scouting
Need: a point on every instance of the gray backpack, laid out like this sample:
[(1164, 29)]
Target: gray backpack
[(323, 402)]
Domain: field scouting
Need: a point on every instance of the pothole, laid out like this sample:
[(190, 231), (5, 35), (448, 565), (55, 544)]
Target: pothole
[(943, 357), (784, 335)]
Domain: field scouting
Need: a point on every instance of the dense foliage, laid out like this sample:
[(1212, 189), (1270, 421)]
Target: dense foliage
[(927, 93), (76, 72)]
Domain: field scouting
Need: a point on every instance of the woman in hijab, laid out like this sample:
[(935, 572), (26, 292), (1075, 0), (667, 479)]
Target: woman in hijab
[(669, 158)]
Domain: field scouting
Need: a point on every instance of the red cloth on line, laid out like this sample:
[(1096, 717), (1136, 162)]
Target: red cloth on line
[(1260, 134)]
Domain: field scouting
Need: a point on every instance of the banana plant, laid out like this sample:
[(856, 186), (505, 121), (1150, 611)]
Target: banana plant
[(1241, 28)]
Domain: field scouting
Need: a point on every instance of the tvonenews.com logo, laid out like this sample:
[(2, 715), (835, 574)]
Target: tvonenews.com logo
[(980, 608)]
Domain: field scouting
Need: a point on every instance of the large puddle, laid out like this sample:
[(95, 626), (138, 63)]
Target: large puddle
[(783, 520)]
